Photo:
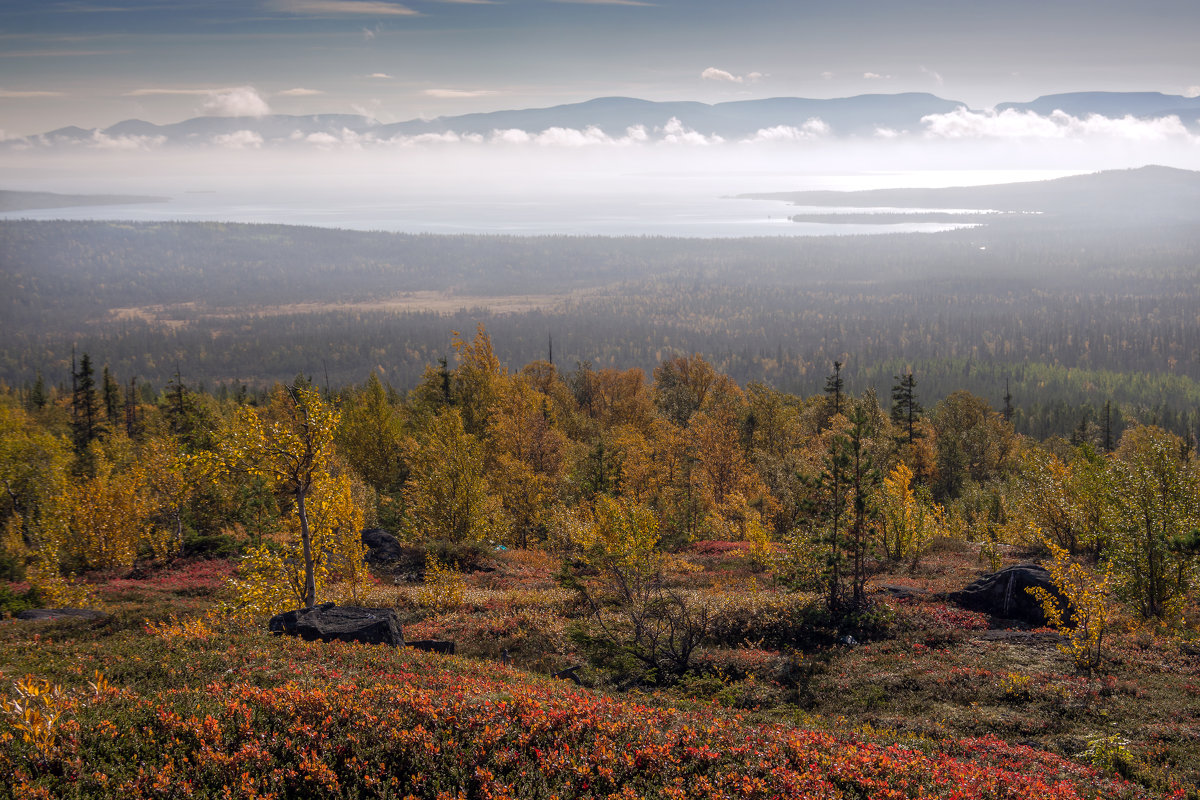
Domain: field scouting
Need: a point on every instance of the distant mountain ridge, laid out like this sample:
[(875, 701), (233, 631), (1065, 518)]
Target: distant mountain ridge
[(862, 115)]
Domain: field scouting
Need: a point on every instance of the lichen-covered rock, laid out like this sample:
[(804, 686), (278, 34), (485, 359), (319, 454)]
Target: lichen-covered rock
[(61, 613), (1005, 594), (331, 623), (382, 547)]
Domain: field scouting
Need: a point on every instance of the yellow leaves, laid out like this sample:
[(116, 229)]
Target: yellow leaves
[(447, 493), (443, 587), (55, 589), (908, 524), (108, 515), (619, 534), (271, 576), (36, 711), (1088, 611), (292, 445), (175, 630), (40, 706), (289, 443)]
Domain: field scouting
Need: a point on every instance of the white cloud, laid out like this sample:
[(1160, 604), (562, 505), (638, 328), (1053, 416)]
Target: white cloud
[(1192, 91), (153, 92), (714, 74), (338, 8), (368, 34), (234, 101), (346, 139), (370, 110), (812, 129), (511, 136), (299, 92), (13, 94), (935, 75), (674, 133), (242, 101), (569, 137), (383, 76), (875, 76), (322, 139), (963, 123), (449, 137), (826, 74), (455, 94), (239, 140), (886, 133), (101, 141)]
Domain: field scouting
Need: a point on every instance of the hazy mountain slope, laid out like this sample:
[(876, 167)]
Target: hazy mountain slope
[(1163, 193)]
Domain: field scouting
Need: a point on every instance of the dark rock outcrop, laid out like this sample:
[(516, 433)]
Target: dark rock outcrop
[(382, 547), (330, 623), (1004, 594), (432, 646), (61, 613), (568, 674)]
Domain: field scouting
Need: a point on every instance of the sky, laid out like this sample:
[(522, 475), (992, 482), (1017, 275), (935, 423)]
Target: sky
[(93, 63)]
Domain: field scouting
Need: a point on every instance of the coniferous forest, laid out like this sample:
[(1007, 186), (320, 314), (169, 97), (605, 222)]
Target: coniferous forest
[(1065, 319)]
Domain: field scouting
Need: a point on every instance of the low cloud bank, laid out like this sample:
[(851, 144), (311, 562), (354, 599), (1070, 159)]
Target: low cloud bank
[(960, 125)]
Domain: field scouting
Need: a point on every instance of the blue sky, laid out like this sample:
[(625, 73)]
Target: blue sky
[(96, 62)]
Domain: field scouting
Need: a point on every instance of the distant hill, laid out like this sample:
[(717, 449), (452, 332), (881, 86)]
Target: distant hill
[(1163, 194), (1113, 105), (27, 201)]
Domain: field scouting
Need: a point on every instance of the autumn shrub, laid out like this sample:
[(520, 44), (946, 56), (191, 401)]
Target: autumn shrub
[(766, 618), (1084, 610), (14, 601), (464, 556), (632, 623), (443, 586)]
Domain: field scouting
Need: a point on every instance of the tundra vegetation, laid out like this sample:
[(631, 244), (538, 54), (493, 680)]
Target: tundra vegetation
[(751, 584)]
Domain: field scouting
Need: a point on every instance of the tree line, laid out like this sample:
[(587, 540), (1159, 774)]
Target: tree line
[(613, 464)]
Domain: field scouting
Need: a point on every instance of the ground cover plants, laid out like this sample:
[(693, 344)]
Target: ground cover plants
[(191, 703)]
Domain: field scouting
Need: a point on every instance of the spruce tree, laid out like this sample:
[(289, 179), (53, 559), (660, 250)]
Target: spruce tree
[(112, 396), (85, 405), (834, 386), (905, 408), (38, 397)]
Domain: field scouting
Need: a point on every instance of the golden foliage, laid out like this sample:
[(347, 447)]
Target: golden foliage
[(35, 712), (1089, 605), (908, 524), (443, 588)]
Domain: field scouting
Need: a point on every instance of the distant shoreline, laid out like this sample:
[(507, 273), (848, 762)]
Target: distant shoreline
[(29, 201)]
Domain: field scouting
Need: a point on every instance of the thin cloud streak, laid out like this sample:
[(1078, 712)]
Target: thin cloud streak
[(456, 94), (337, 8), (603, 2), (13, 94)]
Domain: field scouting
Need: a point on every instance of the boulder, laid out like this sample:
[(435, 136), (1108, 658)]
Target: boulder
[(1004, 594), (382, 547), (330, 623), (432, 646), (61, 613)]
